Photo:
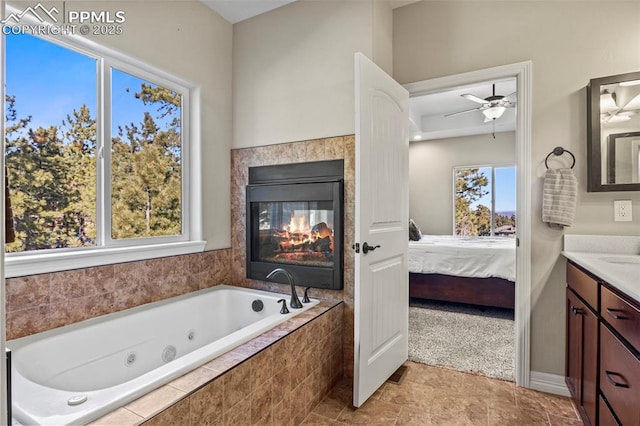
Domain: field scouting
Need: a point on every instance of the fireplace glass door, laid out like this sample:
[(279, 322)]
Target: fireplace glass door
[(296, 232), (297, 227)]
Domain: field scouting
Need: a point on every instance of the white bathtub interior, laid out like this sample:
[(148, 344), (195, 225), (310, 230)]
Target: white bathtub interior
[(77, 373)]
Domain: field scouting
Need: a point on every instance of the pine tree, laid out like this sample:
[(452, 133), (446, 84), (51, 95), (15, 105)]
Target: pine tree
[(146, 168), (81, 144), (469, 187), (52, 181)]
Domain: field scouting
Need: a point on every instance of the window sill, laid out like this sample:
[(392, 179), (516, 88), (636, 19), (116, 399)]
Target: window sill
[(31, 264)]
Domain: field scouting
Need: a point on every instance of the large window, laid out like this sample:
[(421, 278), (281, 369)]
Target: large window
[(96, 150), (484, 200)]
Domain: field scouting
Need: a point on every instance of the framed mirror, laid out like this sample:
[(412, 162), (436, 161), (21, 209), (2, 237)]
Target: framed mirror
[(613, 146)]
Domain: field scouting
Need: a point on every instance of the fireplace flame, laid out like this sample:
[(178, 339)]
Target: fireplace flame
[(300, 227), (299, 236)]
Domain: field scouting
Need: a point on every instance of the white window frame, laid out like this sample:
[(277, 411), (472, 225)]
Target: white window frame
[(109, 251), (493, 190)]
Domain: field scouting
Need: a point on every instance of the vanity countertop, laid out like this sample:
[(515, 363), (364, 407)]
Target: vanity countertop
[(621, 271), (614, 259)]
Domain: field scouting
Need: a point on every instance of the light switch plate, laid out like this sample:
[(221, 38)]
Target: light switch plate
[(622, 211)]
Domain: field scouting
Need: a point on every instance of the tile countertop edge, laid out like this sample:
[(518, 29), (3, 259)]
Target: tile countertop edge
[(622, 277)]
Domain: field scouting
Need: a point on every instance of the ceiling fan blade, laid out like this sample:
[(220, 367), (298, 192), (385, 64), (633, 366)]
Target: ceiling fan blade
[(462, 112), (473, 98), (509, 95)]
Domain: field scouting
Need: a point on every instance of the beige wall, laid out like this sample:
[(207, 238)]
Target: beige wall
[(383, 35), (431, 166), (569, 43), (190, 41), (293, 69)]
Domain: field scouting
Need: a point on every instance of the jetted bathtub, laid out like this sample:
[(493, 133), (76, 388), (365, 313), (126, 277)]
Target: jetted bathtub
[(78, 373)]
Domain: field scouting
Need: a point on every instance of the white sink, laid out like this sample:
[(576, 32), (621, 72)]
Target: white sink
[(622, 259)]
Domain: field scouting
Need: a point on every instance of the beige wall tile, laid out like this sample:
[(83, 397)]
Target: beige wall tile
[(207, 404), (177, 414), (120, 417), (155, 401), (240, 413), (27, 292), (194, 379), (40, 302), (237, 385), (262, 367), (261, 401)]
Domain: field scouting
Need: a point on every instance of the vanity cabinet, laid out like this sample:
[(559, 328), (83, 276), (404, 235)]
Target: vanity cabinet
[(603, 350)]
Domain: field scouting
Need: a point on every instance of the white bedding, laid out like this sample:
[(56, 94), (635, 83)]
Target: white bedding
[(480, 257)]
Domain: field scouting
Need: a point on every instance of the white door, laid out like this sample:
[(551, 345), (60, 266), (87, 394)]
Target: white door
[(382, 215)]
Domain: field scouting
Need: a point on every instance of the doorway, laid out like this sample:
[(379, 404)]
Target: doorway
[(463, 200), (521, 72)]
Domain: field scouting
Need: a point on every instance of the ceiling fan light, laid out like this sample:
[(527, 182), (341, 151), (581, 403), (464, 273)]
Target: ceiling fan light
[(494, 112)]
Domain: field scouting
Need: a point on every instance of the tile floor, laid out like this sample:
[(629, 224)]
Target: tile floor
[(438, 396)]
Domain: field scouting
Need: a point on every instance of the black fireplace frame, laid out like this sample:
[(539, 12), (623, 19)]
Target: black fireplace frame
[(312, 181)]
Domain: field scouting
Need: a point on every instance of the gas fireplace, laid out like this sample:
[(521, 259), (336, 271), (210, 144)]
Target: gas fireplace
[(294, 221)]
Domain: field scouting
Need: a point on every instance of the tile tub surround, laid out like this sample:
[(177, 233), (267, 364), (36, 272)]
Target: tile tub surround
[(335, 148), (276, 378), (41, 302)]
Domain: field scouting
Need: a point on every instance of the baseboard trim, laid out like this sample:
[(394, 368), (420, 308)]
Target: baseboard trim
[(550, 383)]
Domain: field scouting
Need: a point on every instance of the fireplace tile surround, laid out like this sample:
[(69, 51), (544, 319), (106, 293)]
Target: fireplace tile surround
[(335, 148)]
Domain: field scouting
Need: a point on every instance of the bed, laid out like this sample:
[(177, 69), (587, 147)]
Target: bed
[(472, 270)]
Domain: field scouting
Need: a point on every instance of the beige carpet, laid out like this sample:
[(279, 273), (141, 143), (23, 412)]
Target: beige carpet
[(472, 339)]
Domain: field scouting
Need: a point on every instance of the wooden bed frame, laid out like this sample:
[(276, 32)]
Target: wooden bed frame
[(493, 292)]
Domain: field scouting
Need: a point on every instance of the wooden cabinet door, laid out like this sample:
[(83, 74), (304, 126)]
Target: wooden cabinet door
[(582, 353), (574, 349), (589, 363)]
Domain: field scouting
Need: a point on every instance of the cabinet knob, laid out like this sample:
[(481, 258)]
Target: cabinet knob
[(577, 311)]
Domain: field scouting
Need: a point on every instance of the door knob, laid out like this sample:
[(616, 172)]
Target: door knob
[(367, 248)]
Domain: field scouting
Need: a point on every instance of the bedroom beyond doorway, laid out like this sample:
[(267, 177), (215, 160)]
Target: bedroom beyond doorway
[(463, 266)]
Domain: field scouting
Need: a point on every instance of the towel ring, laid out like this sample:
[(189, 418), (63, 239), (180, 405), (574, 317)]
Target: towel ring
[(559, 151)]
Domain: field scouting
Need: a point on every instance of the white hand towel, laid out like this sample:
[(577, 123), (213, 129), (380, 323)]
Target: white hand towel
[(559, 197)]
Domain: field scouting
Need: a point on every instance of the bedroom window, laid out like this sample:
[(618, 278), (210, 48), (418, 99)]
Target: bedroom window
[(97, 151), (484, 201)]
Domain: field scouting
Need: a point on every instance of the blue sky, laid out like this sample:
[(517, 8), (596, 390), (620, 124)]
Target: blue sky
[(50, 81), (505, 187)]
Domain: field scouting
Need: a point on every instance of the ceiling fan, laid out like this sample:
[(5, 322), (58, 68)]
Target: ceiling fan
[(492, 106)]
